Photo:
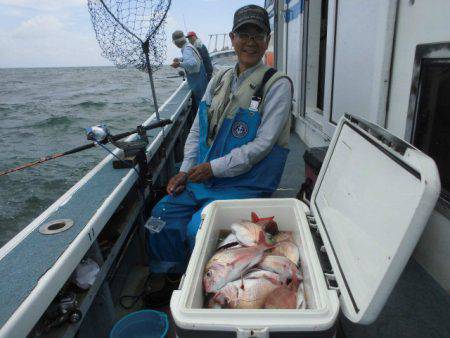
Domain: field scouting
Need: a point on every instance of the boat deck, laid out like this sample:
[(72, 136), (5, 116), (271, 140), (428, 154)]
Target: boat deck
[(38, 265)]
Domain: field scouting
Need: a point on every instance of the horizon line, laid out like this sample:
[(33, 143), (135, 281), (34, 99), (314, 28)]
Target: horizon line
[(45, 67)]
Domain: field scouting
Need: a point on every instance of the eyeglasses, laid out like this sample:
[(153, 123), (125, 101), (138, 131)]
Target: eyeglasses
[(245, 37)]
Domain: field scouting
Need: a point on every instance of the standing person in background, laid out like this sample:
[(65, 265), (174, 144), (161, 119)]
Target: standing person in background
[(197, 43), (192, 63)]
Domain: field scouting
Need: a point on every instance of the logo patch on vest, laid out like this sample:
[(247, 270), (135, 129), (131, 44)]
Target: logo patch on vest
[(239, 129)]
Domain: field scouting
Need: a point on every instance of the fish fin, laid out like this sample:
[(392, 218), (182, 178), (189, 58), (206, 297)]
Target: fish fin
[(219, 298), (262, 241), (256, 218), (228, 245)]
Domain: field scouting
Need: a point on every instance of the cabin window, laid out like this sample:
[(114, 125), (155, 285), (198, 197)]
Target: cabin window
[(315, 29), (432, 123)]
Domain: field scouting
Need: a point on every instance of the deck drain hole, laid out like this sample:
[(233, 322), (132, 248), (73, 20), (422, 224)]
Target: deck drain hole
[(56, 226)]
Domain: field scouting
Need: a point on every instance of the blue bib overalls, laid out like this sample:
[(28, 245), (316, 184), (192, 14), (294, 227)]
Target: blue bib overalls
[(198, 83), (169, 249)]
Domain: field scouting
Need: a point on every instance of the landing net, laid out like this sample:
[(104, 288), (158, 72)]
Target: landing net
[(131, 33)]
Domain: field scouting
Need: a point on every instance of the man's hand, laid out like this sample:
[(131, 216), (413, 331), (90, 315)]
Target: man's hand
[(200, 173), (177, 183), (175, 63)]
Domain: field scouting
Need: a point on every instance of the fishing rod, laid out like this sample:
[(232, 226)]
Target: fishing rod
[(180, 74), (99, 135)]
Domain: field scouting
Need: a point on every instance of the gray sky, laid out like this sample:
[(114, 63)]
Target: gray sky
[(58, 33)]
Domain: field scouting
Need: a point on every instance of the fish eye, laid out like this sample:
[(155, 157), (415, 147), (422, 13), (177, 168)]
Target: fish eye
[(209, 273)]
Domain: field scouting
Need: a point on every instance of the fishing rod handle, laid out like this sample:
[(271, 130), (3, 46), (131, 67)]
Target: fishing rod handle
[(158, 124), (153, 125)]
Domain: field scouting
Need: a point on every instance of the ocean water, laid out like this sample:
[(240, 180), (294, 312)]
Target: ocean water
[(45, 111)]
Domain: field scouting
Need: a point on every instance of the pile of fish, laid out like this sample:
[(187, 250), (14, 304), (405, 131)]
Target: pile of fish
[(255, 267)]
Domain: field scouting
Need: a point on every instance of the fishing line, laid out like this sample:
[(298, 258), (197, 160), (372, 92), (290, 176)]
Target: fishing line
[(117, 157), (140, 192)]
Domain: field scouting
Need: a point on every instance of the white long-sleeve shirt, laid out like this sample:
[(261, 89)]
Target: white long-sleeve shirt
[(277, 107), (190, 61)]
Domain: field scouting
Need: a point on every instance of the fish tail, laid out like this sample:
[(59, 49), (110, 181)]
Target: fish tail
[(256, 218)]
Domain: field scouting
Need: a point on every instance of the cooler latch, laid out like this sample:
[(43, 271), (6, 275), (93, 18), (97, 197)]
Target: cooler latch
[(252, 333)]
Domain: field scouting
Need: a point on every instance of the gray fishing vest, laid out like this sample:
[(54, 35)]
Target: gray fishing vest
[(225, 104)]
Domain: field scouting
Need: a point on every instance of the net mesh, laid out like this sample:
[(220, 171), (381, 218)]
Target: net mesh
[(122, 27)]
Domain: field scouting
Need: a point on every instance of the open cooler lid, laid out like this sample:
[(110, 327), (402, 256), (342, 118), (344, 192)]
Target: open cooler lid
[(371, 201)]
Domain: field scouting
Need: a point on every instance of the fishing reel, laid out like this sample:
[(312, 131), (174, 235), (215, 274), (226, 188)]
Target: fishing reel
[(133, 151), (63, 309), (97, 133), (101, 135), (132, 148)]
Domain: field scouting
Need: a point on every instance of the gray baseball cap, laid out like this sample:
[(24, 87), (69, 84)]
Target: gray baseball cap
[(178, 36), (251, 14)]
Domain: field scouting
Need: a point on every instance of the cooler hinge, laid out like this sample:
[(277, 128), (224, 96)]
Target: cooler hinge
[(322, 252), (331, 282), (312, 222)]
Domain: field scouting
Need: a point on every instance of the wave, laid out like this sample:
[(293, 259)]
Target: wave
[(55, 121), (94, 92), (90, 104), (13, 106)]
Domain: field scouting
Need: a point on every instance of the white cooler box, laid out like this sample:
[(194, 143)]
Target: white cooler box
[(371, 202)]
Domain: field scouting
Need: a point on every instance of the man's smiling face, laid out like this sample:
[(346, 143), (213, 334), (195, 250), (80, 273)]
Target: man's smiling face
[(250, 43)]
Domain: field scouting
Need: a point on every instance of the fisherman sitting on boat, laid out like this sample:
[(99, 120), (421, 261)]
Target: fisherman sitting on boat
[(197, 43), (236, 148), (192, 63)]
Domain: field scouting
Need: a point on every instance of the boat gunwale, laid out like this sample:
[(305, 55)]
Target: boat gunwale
[(61, 201), (37, 300)]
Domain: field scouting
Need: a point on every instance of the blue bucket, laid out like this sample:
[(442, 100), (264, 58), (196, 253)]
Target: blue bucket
[(140, 324)]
